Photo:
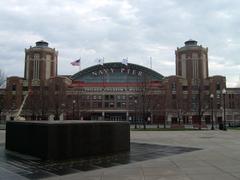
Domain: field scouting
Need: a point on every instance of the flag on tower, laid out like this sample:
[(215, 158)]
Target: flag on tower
[(125, 61), (100, 61), (76, 63)]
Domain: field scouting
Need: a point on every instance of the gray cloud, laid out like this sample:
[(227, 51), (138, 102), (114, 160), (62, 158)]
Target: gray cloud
[(115, 29)]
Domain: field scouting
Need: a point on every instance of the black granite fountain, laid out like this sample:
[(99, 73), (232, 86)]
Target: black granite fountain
[(60, 140)]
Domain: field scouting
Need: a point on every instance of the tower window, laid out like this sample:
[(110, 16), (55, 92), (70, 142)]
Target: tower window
[(14, 87), (36, 55), (25, 88), (174, 96), (180, 67), (106, 97), (111, 105), (174, 86), (184, 88)]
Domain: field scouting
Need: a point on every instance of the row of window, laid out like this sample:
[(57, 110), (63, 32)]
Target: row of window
[(109, 105), (109, 97), (185, 88), (37, 56), (109, 89)]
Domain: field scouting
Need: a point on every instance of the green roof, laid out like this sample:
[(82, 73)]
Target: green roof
[(116, 72)]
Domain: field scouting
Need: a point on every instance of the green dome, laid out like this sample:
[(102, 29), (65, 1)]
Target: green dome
[(116, 73)]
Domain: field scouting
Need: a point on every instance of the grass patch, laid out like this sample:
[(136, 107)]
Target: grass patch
[(233, 128), (165, 129)]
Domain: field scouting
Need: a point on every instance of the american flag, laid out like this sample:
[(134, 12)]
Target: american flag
[(100, 61), (125, 61), (76, 63)]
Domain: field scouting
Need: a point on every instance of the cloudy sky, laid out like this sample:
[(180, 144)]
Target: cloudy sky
[(116, 29)]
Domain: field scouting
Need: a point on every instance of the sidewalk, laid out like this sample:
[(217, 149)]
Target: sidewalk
[(219, 158)]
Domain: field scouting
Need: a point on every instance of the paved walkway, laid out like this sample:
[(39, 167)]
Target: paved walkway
[(219, 159)]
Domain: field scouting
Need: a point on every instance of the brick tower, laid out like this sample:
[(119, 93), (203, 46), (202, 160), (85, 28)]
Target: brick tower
[(192, 61), (40, 63)]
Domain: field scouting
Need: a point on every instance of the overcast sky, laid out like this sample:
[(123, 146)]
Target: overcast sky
[(116, 29)]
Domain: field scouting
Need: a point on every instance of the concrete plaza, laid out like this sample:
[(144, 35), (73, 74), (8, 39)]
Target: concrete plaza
[(219, 158)]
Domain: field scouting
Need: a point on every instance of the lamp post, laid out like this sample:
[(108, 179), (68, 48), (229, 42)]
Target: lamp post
[(63, 107), (103, 116), (73, 109), (224, 109), (135, 119), (179, 116), (158, 116), (211, 97), (165, 119)]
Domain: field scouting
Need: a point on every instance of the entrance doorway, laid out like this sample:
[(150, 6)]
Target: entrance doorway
[(115, 118)]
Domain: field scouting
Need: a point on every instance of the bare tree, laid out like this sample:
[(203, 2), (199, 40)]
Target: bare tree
[(34, 106), (2, 82), (56, 96), (43, 102), (2, 78), (147, 99), (42, 99), (202, 103), (1, 105), (156, 105)]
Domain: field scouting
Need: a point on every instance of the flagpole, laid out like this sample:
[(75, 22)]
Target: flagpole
[(125, 62), (103, 72), (101, 68), (150, 62), (80, 64), (127, 74)]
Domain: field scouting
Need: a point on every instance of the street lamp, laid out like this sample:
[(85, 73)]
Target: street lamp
[(158, 115), (179, 116), (63, 107), (165, 118), (74, 101), (211, 97), (224, 109), (135, 119)]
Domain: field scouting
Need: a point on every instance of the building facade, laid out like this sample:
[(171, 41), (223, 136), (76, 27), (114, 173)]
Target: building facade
[(114, 91)]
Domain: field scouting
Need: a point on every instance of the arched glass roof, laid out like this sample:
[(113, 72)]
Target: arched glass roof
[(116, 72)]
